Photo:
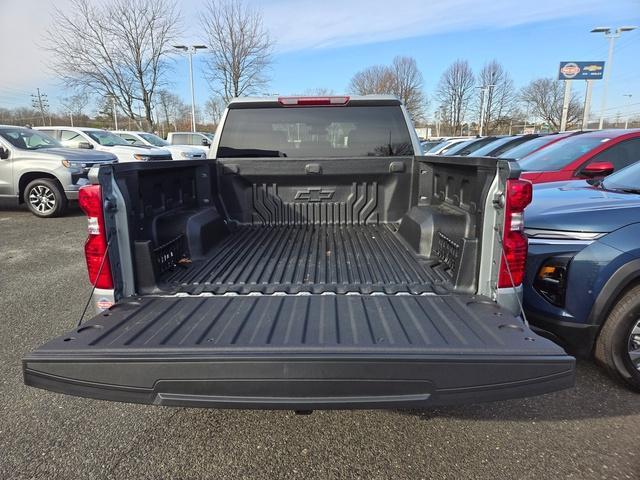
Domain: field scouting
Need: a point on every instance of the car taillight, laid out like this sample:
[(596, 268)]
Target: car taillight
[(95, 248), (312, 101), (514, 243)]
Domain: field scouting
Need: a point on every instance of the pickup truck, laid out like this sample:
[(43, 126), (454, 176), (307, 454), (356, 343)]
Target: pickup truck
[(316, 262), (36, 170), (200, 140)]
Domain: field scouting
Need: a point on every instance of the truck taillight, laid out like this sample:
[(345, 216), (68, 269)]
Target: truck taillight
[(312, 101), (95, 248), (514, 243)]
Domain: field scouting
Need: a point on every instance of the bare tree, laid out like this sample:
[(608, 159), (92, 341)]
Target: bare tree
[(377, 79), (454, 93), (500, 96), (240, 48), (545, 97), (402, 79), (319, 92), (408, 85), (117, 49), (76, 103), (172, 111), (214, 107)]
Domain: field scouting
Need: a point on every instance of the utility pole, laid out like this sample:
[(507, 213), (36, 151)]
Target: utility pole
[(39, 102), (626, 119), (612, 35), (191, 50)]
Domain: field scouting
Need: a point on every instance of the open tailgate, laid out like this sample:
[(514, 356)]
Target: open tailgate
[(302, 352)]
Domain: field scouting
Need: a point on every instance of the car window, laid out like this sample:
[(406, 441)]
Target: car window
[(131, 139), (508, 146), (491, 146), (560, 154), (526, 148), (626, 179), (621, 154), (154, 140), (28, 139), (469, 147), (50, 132), (71, 136), (106, 139), (358, 131), (181, 139), (430, 145)]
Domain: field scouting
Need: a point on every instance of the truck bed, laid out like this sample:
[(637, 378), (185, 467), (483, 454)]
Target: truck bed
[(309, 258)]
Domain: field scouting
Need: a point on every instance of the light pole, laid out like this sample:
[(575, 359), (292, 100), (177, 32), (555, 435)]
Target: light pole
[(483, 89), (611, 35), (626, 120), (191, 50), (114, 111)]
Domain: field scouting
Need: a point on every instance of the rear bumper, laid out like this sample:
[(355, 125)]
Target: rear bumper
[(327, 382), (577, 338)]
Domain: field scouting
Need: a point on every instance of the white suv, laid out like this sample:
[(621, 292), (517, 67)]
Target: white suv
[(103, 140), (178, 152)]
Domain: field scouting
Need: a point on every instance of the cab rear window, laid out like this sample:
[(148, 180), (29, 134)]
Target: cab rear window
[(356, 131)]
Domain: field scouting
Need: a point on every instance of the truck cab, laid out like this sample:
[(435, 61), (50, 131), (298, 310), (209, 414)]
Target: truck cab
[(317, 261)]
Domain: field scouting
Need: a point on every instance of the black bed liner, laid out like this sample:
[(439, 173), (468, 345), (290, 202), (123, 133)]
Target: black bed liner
[(310, 258), (301, 351)]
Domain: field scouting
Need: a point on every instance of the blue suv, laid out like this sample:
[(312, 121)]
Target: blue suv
[(582, 284)]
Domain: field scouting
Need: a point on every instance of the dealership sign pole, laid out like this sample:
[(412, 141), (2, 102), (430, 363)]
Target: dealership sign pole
[(587, 104), (565, 105), (578, 71)]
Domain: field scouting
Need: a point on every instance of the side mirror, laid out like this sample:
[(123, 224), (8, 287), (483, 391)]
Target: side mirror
[(206, 143), (598, 169), (4, 153), (85, 145)]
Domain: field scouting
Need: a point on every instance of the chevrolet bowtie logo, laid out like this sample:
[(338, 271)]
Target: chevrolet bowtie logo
[(314, 194)]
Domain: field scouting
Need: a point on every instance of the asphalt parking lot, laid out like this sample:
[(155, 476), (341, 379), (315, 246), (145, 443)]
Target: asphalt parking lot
[(591, 431)]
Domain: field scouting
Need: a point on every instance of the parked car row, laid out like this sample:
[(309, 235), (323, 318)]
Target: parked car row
[(552, 157), (44, 167)]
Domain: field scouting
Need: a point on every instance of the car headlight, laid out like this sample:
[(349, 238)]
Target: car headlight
[(551, 279), (140, 156), (186, 155), (69, 164)]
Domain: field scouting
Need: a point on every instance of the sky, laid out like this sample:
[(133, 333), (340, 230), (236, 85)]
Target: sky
[(321, 44)]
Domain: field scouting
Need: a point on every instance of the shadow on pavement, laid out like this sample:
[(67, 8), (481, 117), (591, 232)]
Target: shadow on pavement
[(595, 396), (72, 211)]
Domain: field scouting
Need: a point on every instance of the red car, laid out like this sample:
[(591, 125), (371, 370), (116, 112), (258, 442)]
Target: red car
[(589, 155)]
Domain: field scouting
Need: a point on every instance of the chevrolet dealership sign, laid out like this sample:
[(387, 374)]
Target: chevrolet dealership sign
[(581, 70)]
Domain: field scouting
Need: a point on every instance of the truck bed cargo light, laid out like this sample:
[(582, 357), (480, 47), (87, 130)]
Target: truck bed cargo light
[(312, 101)]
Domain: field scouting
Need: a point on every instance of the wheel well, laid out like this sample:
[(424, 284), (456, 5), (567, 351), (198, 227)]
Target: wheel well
[(31, 176), (623, 291)]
